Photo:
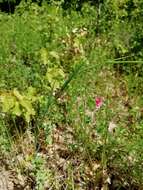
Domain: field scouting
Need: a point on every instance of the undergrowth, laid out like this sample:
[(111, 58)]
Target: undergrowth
[(71, 98)]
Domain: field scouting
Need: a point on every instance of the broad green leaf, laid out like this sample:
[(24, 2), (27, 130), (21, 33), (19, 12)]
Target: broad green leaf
[(16, 110), (28, 106), (55, 76), (8, 103), (31, 94), (17, 94)]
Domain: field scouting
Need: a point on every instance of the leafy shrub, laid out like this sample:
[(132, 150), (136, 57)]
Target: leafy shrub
[(54, 64)]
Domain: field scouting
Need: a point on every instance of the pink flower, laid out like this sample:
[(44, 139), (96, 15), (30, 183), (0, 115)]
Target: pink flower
[(99, 102)]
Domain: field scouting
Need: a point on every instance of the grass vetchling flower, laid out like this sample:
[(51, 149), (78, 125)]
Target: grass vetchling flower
[(99, 102)]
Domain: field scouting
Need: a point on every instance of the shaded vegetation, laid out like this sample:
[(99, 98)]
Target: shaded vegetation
[(71, 113)]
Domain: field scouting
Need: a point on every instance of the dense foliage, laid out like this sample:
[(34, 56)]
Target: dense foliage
[(71, 92)]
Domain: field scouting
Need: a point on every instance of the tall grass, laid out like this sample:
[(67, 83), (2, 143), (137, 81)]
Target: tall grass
[(58, 137)]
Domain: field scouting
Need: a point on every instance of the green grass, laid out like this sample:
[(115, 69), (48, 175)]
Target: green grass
[(53, 67)]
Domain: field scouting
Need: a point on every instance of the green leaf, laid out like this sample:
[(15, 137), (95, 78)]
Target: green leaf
[(28, 106), (44, 56), (31, 94), (55, 77), (54, 54), (16, 110), (8, 103), (17, 94), (29, 111)]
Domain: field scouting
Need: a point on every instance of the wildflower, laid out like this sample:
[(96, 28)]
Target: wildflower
[(75, 30), (112, 127), (99, 102)]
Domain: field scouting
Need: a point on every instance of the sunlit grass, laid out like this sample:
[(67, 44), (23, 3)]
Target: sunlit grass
[(85, 130)]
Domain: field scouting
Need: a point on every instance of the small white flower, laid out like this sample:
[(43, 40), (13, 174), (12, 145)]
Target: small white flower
[(108, 180), (75, 30), (111, 127)]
